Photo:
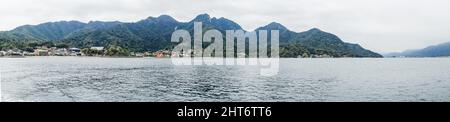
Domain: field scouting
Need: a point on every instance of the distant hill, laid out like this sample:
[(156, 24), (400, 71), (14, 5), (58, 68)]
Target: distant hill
[(431, 51), (315, 42), (60, 30), (154, 34)]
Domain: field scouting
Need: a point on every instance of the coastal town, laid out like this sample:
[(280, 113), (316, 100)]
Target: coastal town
[(91, 51), (103, 52)]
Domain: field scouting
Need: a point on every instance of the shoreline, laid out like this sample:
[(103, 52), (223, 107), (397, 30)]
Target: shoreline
[(169, 57), (72, 57)]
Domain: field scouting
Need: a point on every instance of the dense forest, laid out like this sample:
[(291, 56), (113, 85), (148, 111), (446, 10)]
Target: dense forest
[(154, 33)]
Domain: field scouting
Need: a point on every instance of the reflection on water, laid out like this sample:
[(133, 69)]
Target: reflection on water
[(149, 79)]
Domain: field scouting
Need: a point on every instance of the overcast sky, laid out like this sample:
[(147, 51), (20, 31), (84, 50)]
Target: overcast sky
[(379, 25)]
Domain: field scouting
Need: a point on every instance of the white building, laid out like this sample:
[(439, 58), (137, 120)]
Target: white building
[(2, 53), (74, 51), (97, 48)]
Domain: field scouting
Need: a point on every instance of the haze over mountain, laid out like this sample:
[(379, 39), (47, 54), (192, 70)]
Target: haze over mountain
[(154, 33), (439, 50)]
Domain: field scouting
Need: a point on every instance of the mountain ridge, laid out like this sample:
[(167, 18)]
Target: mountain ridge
[(439, 50), (153, 33)]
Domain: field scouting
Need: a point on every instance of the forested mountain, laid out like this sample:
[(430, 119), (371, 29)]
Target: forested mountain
[(315, 42), (431, 51), (154, 34)]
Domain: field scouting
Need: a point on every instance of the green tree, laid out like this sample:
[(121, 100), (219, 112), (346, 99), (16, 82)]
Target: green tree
[(115, 50)]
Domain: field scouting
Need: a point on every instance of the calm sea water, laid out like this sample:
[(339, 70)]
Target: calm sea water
[(157, 80)]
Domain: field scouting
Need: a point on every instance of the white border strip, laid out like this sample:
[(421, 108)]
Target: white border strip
[(1, 85)]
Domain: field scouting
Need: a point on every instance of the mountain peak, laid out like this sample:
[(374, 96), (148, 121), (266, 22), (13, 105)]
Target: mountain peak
[(225, 24), (273, 26), (161, 18), (166, 18), (315, 30), (202, 18), (277, 25)]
